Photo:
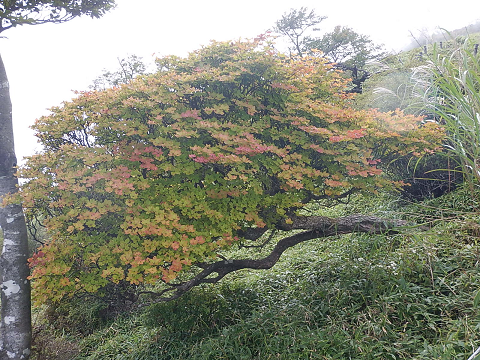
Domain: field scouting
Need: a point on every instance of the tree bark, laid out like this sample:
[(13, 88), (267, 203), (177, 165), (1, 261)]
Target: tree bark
[(15, 327)]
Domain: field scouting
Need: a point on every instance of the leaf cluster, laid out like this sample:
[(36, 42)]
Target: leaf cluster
[(33, 12), (345, 46)]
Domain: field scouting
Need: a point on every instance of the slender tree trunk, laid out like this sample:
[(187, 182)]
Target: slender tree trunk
[(15, 324)]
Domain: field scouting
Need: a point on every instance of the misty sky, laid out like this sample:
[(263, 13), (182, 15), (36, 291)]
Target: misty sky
[(46, 62)]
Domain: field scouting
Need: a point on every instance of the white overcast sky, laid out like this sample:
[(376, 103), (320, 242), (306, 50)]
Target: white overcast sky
[(46, 62)]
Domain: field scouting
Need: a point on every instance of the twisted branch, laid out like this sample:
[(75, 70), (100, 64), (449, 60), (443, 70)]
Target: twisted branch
[(316, 227)]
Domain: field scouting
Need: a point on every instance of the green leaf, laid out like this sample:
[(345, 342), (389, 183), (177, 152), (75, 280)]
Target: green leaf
[(476, 300)]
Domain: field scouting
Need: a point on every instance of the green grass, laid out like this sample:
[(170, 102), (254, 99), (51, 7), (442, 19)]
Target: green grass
[(359, 299)]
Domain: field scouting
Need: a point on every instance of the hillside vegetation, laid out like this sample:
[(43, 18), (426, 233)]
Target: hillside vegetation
[(413, 294), (404, 296)]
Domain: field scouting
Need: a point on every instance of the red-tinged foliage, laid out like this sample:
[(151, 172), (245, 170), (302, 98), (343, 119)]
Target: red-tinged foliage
[(139, 182)]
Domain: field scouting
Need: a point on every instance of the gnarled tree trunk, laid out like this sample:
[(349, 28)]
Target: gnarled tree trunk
[(15, 288)]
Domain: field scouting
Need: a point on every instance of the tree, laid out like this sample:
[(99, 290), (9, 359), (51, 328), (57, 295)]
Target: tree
[(295, 24), (148, 183), (130, 67), (349, 50), (15, 310)]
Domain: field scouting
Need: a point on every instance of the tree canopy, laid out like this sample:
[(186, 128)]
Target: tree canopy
[(295, 24), (347, 47), (33, 12), (147, 182)]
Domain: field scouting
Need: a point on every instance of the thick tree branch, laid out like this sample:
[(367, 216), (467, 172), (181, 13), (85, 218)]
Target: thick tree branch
[(338, 198), (357, 80), (316, 226), (252, 233)]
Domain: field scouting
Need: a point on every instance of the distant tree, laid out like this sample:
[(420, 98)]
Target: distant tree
[(149, 182), (349, 50), (345, 46), (15, 310), (130, 67), (295, 24)]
